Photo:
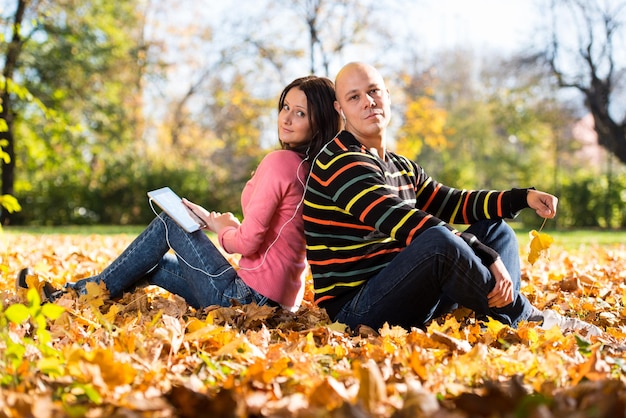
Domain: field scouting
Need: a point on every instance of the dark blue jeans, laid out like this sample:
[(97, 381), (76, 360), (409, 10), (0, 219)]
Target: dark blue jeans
[(198, 271), (436, 272)]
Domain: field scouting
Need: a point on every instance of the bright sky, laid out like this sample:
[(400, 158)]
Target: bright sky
[(484, 27), (492, 24)]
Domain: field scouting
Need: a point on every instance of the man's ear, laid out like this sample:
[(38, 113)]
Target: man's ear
[(338, 109)]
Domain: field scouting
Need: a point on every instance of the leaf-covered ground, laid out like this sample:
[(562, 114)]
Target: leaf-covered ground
[(148, 354)]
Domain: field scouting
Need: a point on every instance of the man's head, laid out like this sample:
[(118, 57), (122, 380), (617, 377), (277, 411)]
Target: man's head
[(363, 101)]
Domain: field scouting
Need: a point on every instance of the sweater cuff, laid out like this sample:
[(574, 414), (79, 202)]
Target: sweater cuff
[(519, 200), (220, 237), (487, 255)]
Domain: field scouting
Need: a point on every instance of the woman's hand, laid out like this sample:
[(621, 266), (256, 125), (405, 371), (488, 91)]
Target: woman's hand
[(502, 293), (219, 221), (543, 203), (213, 221), (197, 211)]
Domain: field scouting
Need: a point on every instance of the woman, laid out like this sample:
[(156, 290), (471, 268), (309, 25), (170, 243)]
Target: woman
[(270, 238)]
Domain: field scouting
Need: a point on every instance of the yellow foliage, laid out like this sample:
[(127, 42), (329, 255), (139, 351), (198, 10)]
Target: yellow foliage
[(424, 124)]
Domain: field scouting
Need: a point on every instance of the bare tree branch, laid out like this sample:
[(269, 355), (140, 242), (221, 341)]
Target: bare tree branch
[(597, 76)]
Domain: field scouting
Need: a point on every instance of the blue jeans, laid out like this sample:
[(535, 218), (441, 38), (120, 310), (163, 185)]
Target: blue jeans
[(198, 272), (437, 271)]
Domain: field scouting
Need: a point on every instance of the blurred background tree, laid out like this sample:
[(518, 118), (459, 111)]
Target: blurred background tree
[(104, 101)]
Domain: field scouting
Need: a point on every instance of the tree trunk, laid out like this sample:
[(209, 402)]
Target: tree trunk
[(8, 168), (611, 135), (13, 52)]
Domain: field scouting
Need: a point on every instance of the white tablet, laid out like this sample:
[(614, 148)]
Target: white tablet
[(176, 209)]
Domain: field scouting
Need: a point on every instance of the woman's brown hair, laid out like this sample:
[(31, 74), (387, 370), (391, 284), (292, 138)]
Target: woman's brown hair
[(323, 118)]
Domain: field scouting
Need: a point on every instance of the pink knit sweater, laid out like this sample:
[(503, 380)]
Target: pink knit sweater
[(271, 203)]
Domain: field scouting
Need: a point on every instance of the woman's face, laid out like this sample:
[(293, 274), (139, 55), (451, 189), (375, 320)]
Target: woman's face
[(293, 120)]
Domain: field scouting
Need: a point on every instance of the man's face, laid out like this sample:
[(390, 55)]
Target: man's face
[(363, 99)]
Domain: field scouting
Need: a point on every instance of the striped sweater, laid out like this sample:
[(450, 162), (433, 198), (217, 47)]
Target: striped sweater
[(360, 212)]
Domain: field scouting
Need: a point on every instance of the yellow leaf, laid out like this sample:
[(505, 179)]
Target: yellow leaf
[(337, 326), (52, 311), (34, 285), (10, 203), (494, 326), (272, 371), (212, 333), (330, 394), (372, 384), (451, 326), (99, 366), (240, 348), (195, 324), (112, 314), (529, 334), (17, 313), (394, 332), (539, 243), (51, 366), (96, 294)]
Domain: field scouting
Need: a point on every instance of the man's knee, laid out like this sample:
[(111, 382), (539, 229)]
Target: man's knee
[(439, 242)]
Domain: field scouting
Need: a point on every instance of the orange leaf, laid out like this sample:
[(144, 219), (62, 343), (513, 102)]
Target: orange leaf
[(418, 365), (595, 368)]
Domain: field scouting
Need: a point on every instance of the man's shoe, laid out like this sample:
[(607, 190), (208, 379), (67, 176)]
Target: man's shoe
[(552, 319)]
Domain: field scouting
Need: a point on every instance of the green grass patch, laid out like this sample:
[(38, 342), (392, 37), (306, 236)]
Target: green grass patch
[(568, 239), (76, 229), (576, 239)]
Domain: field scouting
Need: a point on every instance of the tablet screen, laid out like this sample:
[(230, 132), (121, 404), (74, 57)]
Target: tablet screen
[(174, 207)]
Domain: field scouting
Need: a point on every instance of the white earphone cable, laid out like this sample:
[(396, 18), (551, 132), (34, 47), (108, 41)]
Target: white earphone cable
[(295, 213)]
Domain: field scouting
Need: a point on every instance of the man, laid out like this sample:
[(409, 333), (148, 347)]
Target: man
[(379, 240)]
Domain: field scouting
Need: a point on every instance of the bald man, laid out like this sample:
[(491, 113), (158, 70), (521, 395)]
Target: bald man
[(378, 228)]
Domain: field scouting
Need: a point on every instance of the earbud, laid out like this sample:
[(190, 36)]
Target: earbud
[(342, 115)]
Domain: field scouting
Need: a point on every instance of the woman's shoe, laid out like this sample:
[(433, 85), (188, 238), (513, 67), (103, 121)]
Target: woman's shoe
[(50, 293), (21, 278)]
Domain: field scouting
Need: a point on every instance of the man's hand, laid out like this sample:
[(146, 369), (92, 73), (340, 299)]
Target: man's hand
[(543, 203), (502, 294)]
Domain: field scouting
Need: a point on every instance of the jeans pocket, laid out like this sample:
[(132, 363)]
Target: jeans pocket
[(239, 291)]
